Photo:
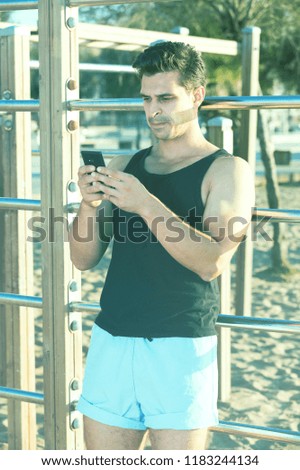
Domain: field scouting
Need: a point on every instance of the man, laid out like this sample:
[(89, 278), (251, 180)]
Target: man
[(177, 212)]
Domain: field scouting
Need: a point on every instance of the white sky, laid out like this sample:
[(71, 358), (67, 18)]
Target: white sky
[(28, 17)]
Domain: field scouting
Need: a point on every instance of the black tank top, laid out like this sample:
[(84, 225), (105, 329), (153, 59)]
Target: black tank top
[(147, 293)]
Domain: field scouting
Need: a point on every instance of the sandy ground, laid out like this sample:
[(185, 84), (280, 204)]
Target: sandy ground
[(265, 366)]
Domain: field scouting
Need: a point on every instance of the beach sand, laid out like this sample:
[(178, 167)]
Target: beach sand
[(265, 365)]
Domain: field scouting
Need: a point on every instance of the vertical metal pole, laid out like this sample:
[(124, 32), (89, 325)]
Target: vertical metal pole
[(248, 132), (17, 323), (58, 52), (221, 134)]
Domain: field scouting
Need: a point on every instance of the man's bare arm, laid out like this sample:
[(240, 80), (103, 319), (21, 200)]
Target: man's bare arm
[(231, 195), (92, 228), (227, 214)]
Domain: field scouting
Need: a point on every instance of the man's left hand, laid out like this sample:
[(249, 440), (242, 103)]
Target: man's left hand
[(122, 189)]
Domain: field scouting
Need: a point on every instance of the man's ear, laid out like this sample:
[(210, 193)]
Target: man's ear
[(199, 95)]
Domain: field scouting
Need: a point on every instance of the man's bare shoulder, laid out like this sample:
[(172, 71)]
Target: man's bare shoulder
[(233, 181), (227, 173), (231, 164), (120, 162)]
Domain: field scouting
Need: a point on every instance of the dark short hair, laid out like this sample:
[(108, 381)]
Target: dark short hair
[(169, 56)]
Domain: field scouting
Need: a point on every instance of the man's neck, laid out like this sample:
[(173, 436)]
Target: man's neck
[(188, 145)]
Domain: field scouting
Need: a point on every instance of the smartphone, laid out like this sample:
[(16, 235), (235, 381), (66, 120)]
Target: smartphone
[(93, 157)]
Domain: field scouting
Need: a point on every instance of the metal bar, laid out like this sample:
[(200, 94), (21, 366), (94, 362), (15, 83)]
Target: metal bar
[(19, 105), (275, 215), (94, 3), (20, 204), (258, 432), (230, 321), (22, 395), (113, 68), (118, 104), (19, 5), (21, 300), (136, 104), (110, 153), (84, 306), (212, 102), (256, 323), (72, 207), (252, 102), (16, 175), (106, 68)]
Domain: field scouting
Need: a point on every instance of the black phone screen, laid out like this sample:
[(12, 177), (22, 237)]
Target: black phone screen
[(93, 157)]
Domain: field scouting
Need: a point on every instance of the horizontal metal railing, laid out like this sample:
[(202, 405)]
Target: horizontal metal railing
[(33, 4), (241, 429), (22, 395), (136, 104), (21, 300), (10, 203), (277, 215), (19, 105), (212, 102), (108, 154), (83, 67), (258, 323), (19, 5), (95, 3), (20, 204), (273, 215), (229, 321), (258, 432)]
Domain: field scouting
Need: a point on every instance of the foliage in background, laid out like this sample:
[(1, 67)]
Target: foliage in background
[(4, 15), (225, 19)]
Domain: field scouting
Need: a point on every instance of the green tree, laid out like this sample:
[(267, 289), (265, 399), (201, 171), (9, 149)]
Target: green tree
[(4, 16)]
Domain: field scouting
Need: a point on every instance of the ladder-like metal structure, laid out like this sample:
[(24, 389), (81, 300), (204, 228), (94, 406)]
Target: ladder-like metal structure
[(59, 107)]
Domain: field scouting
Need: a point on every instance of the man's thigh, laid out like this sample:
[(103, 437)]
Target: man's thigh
[(99, 436), (170, 439)]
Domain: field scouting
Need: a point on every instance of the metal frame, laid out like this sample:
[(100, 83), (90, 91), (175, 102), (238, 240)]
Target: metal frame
[(59, 144), (18, 5), (59, 125), (83, 67), (33, 4), (17, 361), (274, 215), (136, 104), (95, 3), (248, 131), (230, 321)]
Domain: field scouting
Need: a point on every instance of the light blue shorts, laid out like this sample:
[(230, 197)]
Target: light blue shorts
[(166, 383)]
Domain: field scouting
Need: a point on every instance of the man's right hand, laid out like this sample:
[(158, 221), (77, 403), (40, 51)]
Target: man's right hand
[(88, 185)]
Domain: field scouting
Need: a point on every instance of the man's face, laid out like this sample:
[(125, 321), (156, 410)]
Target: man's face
[(169, 107)]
